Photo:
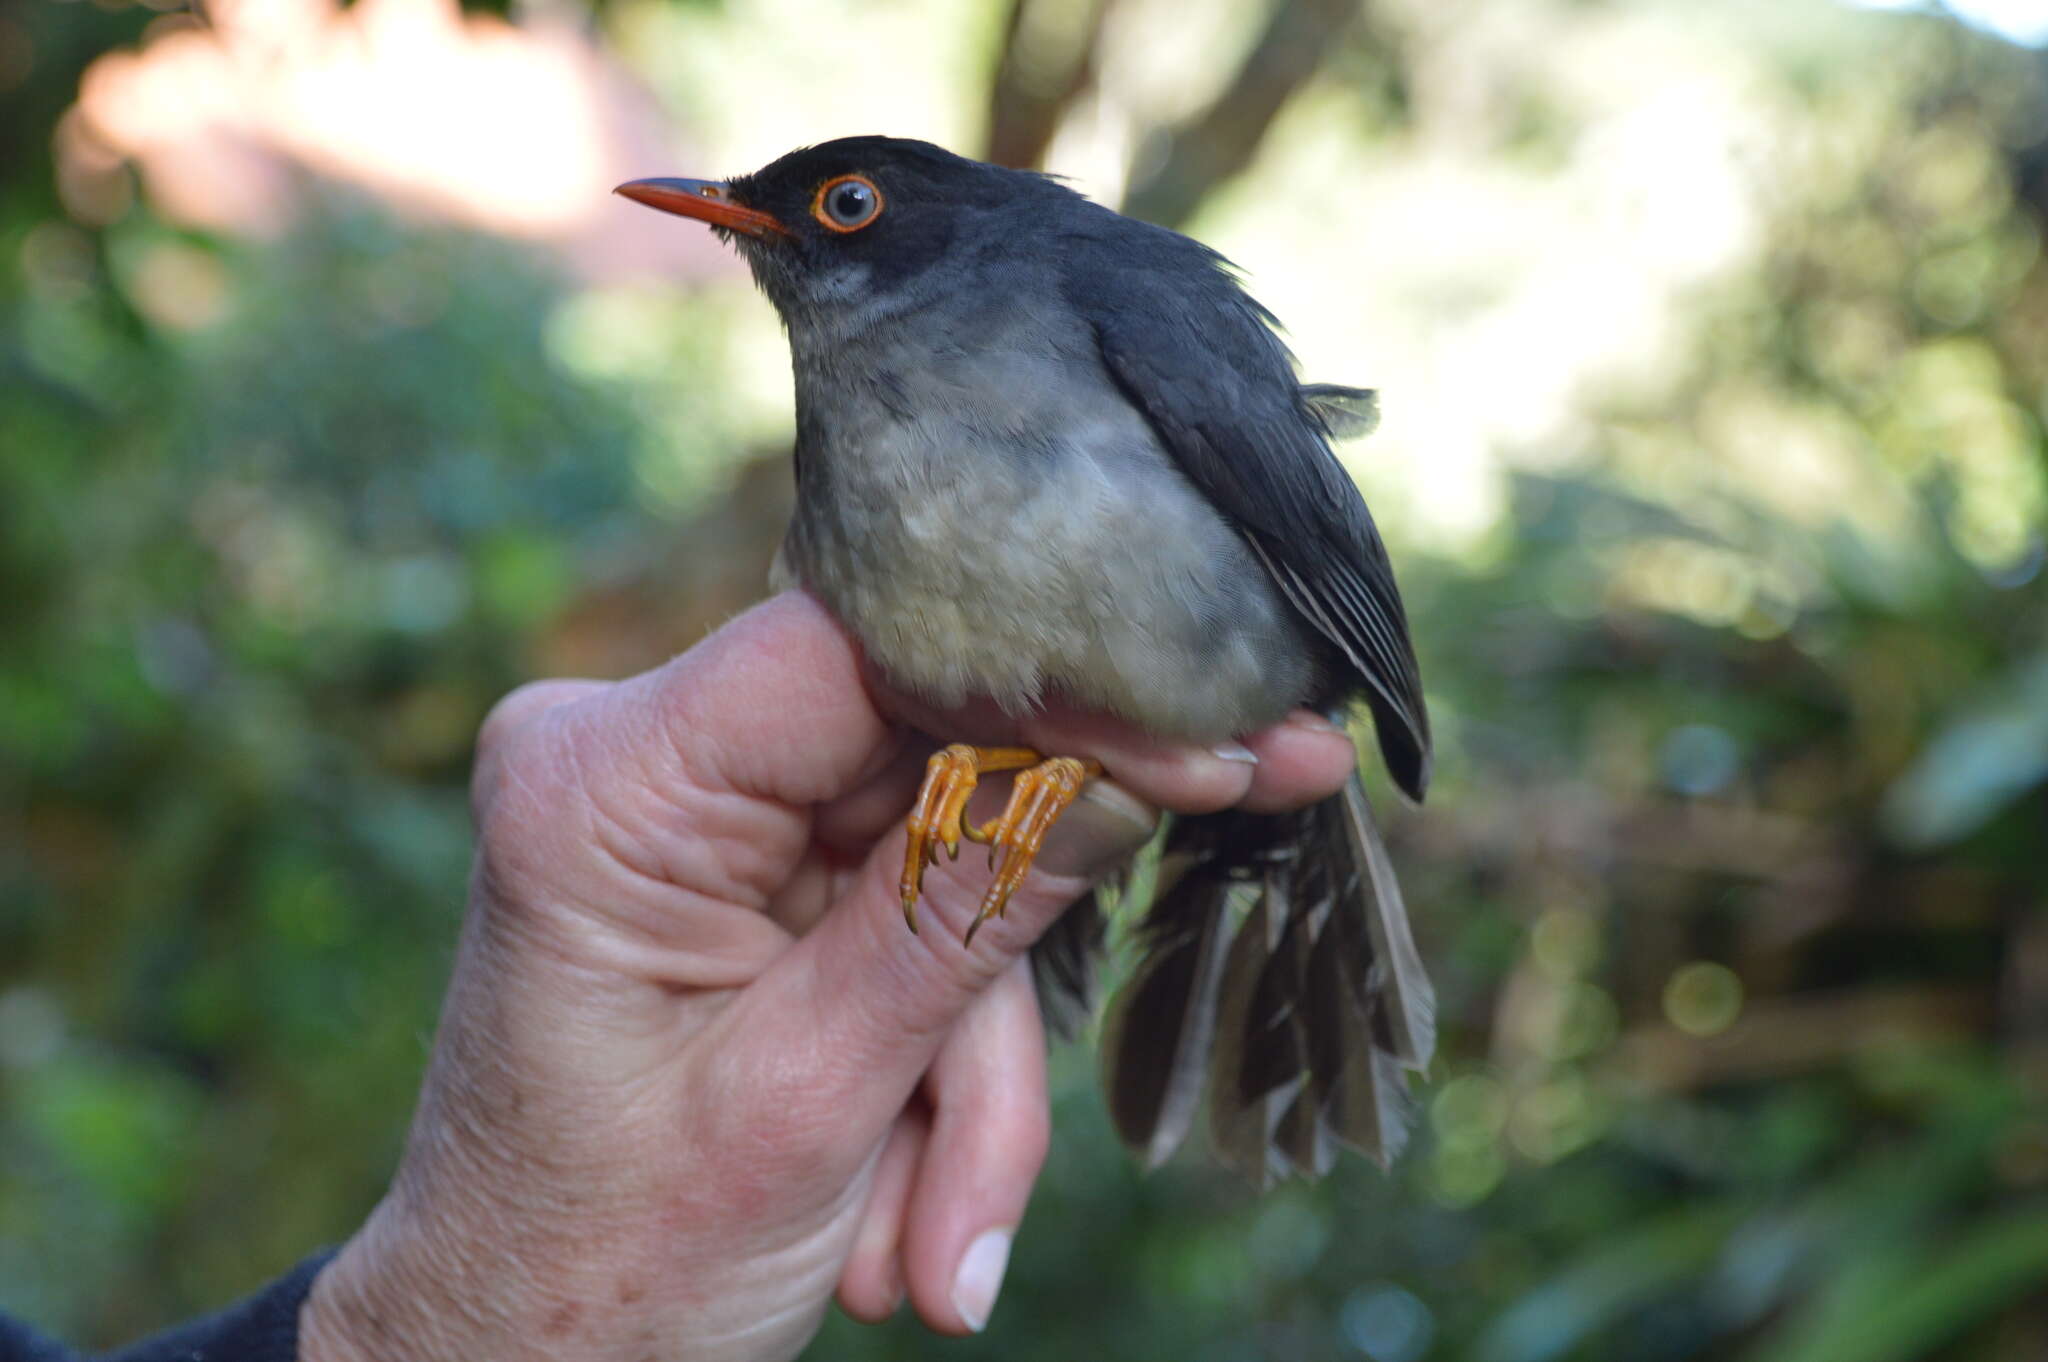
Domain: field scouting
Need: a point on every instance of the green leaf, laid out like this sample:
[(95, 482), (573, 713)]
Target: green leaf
[(1896, 1306), (1984, 759), (1629, 1271)]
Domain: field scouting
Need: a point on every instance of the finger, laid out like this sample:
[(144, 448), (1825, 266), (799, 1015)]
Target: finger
[(850, 824), (771, 706), (847, 829), (695, 779), (1303, 759), (537, 697), (990, 1128), (1184, 777), (855, 1011), (871, 1285), (517, 711)]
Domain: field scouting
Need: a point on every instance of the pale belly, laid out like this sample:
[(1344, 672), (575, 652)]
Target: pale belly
[(1020, 578)]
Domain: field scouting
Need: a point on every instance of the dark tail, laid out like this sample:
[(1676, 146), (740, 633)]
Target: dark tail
[(1278, 978)]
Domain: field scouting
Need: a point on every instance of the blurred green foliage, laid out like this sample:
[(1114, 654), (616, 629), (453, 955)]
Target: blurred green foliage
[(1736, 883), (264, 580)]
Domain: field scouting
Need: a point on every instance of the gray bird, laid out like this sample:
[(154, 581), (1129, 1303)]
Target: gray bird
[(1043, 449)]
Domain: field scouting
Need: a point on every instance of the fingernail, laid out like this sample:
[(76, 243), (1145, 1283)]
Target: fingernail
[(1235, 751), (980, 1277), (1309, 720), (1102, 828)]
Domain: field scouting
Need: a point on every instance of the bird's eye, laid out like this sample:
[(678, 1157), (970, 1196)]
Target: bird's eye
[(848, 203)]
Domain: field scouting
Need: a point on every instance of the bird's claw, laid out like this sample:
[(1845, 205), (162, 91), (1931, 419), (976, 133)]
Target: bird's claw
[(1044, 789), (1039, 797), (950, 778)]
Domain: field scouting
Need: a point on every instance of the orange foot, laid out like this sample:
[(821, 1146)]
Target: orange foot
[(1044, 788)]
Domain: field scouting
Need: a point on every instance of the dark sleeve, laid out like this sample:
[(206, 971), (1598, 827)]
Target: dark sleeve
[(19, 1343), (263, 1328)]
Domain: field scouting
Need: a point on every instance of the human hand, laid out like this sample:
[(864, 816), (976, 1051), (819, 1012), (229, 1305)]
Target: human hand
[(693, 1077)]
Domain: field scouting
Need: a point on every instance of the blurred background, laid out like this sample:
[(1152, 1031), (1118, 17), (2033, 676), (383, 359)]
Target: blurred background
[(337, 397)]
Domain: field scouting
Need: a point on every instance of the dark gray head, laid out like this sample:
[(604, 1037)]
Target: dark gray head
[(861, 225)]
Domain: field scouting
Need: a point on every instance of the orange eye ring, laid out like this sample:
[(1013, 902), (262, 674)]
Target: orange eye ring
[(850, 211)]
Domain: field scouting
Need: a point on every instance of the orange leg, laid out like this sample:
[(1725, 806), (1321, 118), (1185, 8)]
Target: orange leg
[(949, 780), (1044, 789), (1039, 797)]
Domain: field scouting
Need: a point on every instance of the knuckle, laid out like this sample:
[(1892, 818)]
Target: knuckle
[(528, 792), (515, 713)]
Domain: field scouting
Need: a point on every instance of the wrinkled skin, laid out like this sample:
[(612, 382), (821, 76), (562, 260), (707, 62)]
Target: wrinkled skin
[(693, 1078)]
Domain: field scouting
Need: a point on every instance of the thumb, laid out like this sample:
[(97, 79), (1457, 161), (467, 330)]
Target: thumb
[(859, 1006)]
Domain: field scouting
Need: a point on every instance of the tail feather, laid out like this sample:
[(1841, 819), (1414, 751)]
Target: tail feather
[(1277, 1046), (1156, 1039), (1305, 1017), (1398, 978), (1240, 1127)]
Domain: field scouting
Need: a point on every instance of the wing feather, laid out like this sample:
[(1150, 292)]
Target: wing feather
[(1200, 360)]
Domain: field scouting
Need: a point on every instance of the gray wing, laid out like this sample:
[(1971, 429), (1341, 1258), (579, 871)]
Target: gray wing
[(1199, 358)]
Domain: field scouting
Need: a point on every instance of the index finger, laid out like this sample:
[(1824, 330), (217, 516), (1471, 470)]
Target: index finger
[(1289, 765)]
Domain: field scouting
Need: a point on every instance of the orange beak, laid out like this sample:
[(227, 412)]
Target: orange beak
[(705, 200)]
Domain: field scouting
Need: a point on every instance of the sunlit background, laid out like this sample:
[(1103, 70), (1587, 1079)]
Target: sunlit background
[(337, 396)]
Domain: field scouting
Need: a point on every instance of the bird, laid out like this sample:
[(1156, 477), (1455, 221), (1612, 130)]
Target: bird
[(1044, 450)]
